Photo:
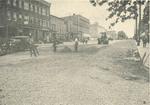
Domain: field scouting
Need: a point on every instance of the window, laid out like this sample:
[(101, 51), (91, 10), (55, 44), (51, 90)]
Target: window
[(26, 5), (14, 16), (44, 23), (20, 16), (47, 12), (9, 15), (36, 21), (14, 2), (20, 3), (41, 22), (35, 7), (9, 2), (32, 20), (26, 19), (31, 7), (39, 10), (47, 23), (44, 11)]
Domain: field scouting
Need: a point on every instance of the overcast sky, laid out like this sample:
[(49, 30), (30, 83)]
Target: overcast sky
[(98, 14)]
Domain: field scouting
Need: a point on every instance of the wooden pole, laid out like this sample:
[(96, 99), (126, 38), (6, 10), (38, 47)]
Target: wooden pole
[(139, 29)]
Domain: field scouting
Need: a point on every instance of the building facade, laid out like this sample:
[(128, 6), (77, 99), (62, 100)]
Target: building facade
[(58, 26), (77, 25), (25, 17), (96, 29)]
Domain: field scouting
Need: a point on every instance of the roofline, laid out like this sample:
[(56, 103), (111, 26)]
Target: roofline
[(56, 17), (44, 2)]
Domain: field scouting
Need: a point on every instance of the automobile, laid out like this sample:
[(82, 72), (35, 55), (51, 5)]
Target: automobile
[(18, 43), (103, 39)]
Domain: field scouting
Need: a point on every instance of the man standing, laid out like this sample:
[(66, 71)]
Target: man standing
[(76, 44), (54, 42), (32, 48)]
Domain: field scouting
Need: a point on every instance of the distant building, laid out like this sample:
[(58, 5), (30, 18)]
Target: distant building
[(58, 26), (77, 25), (96, 29), (112, 34), (24, 17)]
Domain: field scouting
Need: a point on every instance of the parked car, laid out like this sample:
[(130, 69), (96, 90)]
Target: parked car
[(18, 43), (14, 44)]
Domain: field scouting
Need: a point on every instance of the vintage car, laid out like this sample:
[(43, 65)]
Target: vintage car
[(18, 43), (103, 39), (14, 44)]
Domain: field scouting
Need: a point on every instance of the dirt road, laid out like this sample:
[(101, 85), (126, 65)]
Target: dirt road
[(96, 75)]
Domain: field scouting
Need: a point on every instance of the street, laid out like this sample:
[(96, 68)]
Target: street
[(95, 75)]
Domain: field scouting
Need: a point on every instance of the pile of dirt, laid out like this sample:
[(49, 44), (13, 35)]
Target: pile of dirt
[(66, 49)]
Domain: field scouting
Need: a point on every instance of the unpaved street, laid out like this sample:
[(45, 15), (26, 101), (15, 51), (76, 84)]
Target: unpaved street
[(96, 75)]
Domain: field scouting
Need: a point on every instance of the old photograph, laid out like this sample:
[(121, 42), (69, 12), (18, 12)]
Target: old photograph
[(74, 52)]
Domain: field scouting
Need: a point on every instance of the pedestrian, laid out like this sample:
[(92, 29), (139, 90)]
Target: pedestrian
[(86, 40), (54, 42), (76, 44), (32, 47), (144, 40)]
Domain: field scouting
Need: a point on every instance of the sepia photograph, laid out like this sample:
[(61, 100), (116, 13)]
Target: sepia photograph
[(74, 52)]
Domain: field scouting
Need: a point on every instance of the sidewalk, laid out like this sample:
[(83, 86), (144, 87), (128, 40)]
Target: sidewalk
[(145, 54)]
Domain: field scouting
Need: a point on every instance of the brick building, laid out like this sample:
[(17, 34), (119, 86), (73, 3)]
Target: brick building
[(58, 26), (77, 25), (25, 17)]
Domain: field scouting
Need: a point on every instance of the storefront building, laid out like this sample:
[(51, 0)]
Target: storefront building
[(25, 17)]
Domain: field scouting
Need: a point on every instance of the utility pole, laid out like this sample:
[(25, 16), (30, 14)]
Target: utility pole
[(139, 28), (136, 27)]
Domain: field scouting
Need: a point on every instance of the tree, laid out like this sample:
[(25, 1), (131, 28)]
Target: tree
[(122, 35), (123, 10)]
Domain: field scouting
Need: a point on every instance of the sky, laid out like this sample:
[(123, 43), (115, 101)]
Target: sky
[(98, 14)]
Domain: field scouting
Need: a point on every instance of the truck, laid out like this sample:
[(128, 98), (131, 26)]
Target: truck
[(103, 39)]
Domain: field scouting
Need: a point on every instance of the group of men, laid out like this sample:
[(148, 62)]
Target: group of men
[(56, 42), (34, 51)]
